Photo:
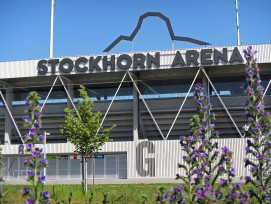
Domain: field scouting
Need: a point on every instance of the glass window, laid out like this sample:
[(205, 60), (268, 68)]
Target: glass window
[(75, 167), (51, 169), (122, 166), (63, 169), (231, 85), (106, 91), (168, 88), (13, 168), (58, 95), (99, 168), (111, 166), (227, 86)]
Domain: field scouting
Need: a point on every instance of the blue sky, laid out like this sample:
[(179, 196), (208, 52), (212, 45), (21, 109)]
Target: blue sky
[(86, 27)]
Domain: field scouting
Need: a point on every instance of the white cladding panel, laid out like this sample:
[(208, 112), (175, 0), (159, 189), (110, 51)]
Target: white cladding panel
[(166, 155), (28, 68)]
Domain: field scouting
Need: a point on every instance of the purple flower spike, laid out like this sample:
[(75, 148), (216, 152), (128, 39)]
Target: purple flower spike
[(223, 182), (234, 195), (220, 169), (35, 163), (41, 138), (199, 87), (251, 91), (199, 101), (26, 102), (28, 146), (30, 174), (37, 153), (225, 150), (30, 201), (37, 125), (37, 115), (32, 131), (26, 191), (237, 185), (42, 179), (44, 161), (26, 160), (27, 137), (232, 171), (26, 119), (250, 73)]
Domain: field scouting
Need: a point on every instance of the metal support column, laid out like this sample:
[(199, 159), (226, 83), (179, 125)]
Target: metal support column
[(135, 111), (71, 93), (8, 122), (206, 91)]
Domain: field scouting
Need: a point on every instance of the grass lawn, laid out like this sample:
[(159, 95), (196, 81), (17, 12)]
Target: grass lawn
[(131, 193)]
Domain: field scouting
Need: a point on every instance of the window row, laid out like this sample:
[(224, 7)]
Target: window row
[(174, 88)]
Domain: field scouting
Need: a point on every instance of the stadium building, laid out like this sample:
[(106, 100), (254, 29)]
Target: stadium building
[(148, 95)]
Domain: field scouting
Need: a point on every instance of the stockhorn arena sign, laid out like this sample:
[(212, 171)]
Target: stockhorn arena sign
[(140, 61), (111, 63)]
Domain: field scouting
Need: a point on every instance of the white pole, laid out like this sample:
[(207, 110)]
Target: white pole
[(52, 29), (45, 150), (237, 23)]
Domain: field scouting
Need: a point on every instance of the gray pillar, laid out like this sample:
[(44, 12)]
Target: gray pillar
[(71, 92), (8, 122), (206, 89), (205, 85), (135, 112)]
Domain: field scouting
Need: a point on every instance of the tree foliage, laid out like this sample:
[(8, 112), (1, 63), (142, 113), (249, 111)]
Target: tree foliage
[(82, 130)]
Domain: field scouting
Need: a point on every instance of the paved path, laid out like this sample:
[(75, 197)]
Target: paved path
[(103, 181), (108, 181)]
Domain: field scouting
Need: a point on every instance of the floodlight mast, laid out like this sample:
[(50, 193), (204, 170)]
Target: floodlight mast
[(237, 23), (52, 29)]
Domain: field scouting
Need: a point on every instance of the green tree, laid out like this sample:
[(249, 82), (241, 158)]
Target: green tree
[(84, 131)]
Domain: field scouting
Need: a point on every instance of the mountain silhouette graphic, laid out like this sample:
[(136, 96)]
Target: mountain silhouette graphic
[(169, 27)]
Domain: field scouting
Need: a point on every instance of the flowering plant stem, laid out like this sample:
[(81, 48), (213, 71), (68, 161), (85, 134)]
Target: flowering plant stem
[(258, 132), (202, 163), (35, 162)]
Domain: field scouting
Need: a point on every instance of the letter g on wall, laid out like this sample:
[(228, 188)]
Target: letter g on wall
[(145, 166)]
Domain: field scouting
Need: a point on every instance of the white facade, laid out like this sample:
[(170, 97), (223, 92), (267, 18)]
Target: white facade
[(141, 146)]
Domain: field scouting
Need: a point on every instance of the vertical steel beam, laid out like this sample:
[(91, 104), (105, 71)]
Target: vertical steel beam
[(147, 107), (11, 117), (135, 113)]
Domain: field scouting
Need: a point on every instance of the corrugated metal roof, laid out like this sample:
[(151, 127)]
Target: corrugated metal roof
[(28, 68)]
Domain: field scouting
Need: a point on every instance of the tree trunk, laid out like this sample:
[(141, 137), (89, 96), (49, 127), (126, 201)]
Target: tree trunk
[(84, 173), (93, 178)]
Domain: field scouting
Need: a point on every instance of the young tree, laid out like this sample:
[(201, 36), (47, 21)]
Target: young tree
[(82, 131)]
